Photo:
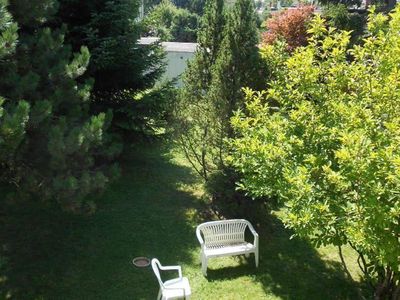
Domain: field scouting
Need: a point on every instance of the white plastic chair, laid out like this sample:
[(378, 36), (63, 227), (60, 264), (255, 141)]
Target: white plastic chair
[(177, 288)]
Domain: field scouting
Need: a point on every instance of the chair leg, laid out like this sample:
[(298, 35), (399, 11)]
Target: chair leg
[(204, 261), (159, 295), (256, 257)]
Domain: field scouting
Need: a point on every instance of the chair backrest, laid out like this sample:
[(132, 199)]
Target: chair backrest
[(156, 265), (225, 232)]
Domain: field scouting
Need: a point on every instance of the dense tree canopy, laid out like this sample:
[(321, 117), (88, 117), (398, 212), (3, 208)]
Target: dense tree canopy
[(171, 23), (194, 6), (13, 116), (121, 68), (324, 139), (110, 31), (56, 157)]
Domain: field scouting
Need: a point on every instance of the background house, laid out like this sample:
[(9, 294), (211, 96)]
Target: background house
[(178, 55)]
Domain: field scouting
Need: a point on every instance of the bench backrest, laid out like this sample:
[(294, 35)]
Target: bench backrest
[(225, 232)]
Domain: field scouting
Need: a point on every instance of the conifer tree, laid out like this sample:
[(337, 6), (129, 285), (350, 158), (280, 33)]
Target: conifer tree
[(195, 128), (111, 32), (237, 66), (13, 116), (64, 151), (238, 63), (119, 66), (197, 78), (226, 61)]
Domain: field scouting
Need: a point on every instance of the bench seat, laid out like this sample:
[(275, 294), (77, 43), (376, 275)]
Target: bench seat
[(224, 250)]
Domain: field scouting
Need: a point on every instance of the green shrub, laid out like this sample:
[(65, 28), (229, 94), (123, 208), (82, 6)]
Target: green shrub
[(325, 139)]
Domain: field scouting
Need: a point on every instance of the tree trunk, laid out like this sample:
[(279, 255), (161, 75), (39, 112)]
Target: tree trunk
[(388, 287)]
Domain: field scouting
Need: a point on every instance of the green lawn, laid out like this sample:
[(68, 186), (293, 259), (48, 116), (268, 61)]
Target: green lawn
[(153, 211)]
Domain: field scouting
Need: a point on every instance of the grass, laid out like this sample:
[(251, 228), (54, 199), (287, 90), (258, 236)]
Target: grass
[(153, 211)]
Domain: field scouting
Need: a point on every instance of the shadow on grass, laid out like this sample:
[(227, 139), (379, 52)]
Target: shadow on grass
[(145, 213), (34, 238), (290, 268), (52, 255)]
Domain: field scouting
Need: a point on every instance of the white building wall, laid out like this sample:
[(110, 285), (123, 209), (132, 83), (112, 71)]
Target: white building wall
[(177, 57), (176, 65)]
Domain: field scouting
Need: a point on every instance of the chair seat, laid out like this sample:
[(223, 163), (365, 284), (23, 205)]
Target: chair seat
[(179, 285), (234, 249)]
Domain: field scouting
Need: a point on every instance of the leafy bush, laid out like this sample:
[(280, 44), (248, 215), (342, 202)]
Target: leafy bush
[(171, 23), (325, 139), (289, 25)]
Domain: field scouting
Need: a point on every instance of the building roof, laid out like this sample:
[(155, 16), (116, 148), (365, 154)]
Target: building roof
[(170, 46), (148, 40), (180, 47)]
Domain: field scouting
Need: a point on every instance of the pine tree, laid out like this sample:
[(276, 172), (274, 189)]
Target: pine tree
[(197, 78), (226, 61), (195, 111), (237, 66), (64, 151), (111, 31), (13, 115), (119, 66), (238, 63)]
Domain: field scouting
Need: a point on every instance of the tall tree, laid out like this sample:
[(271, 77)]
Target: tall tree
[(13, 114), (194, 111), (227, 60), (237, 66), (120, 67), (64, 151)]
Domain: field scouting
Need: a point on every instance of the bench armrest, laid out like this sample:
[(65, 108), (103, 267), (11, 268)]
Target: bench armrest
[(170, 268), (255, 234), (199, 237)]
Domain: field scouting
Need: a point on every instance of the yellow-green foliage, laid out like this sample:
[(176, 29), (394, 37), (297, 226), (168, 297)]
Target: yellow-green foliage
[(325, 139)]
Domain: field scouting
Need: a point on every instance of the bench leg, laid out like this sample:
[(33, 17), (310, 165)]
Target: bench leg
[(204, 261)]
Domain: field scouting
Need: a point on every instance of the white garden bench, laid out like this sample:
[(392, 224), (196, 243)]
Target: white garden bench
[(225, 238)]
